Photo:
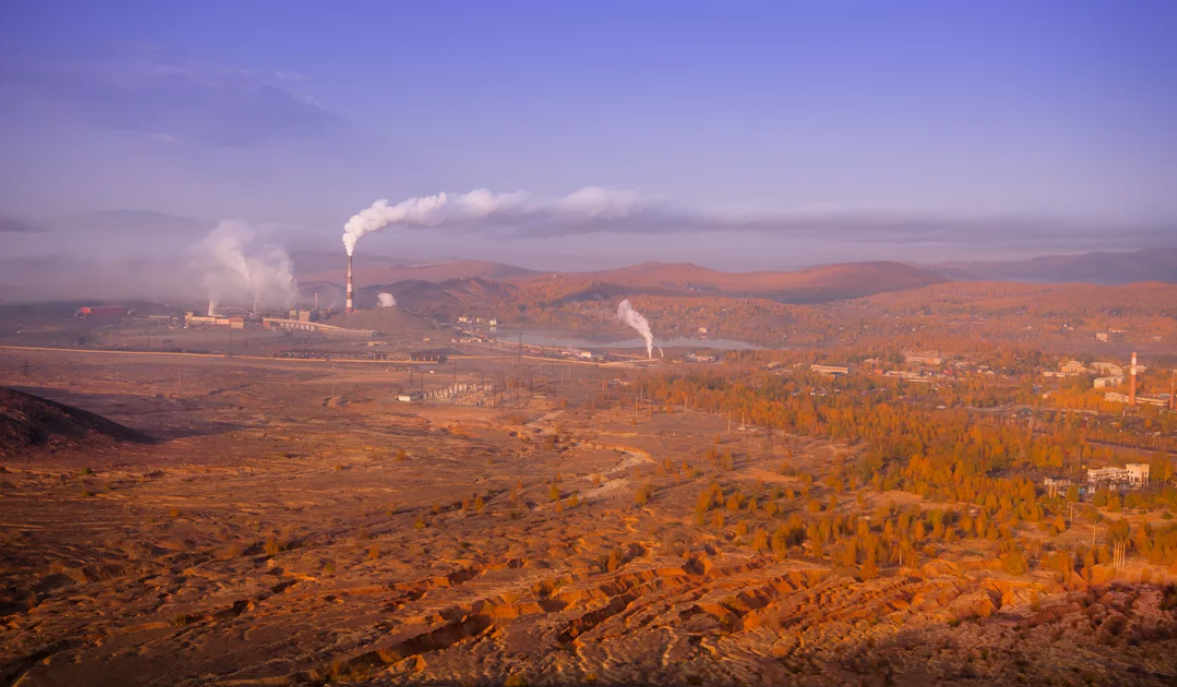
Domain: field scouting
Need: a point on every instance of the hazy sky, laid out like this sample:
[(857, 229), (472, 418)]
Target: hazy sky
[(1048, 117)]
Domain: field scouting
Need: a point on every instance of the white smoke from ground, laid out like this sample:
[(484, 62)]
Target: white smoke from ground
[(634, 319), (386, 300), (588, 206), (236, 269)]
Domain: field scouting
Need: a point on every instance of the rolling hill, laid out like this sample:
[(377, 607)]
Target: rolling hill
[(1110, 268), (810, 285)]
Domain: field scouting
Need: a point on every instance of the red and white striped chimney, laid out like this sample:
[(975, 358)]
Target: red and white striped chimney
[(350, 288), (1132, 381)]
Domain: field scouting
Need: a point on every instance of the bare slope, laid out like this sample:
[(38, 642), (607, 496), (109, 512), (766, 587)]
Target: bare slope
[(30, 423)]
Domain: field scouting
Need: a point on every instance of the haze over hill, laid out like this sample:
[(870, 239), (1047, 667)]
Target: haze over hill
[(826, 282), (379, 269), (1153, 264), (12, 226)]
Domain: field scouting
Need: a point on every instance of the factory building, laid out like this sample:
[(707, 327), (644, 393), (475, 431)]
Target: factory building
[(922, 357), (191, 319), (831, 370), (1131, 476), (1109, 369), (102, 311)]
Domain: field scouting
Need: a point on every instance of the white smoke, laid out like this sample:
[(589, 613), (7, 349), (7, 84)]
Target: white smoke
[(236, 269), (633, 318), (588, 206), (386, 300)]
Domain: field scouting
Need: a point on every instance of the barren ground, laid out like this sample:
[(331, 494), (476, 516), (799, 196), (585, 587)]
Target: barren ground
[(296, 524)]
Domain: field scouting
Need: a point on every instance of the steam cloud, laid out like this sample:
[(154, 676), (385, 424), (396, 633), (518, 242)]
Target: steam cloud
[(584, 208), (236, 269), (386, 300), (633, 318)]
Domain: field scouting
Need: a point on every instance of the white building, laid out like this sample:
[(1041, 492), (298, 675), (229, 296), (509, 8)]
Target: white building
[(832, 370), (1108, 382), (1132, 475), (922, 357)]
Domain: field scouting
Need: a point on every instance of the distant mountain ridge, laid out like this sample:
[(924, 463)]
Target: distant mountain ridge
[(809, 285), (11, 226), (1107, 268), (133, 221), (381, 270)]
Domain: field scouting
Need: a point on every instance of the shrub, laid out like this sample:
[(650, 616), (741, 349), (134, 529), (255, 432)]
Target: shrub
[(1014, 563)]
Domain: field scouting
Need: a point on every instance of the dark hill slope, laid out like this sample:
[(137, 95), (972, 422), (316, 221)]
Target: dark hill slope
[(29, 424)]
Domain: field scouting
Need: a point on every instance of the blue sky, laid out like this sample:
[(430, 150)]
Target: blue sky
[(1055, 115)]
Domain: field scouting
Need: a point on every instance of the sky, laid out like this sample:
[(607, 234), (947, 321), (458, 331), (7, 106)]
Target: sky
[(988, 129)]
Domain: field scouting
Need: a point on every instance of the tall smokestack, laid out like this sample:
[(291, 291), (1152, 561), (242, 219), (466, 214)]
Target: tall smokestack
[(1173, 392), (350, 288), (1132, 381)]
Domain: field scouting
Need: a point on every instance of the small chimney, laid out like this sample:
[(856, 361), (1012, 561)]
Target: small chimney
[(1132, 381), (350, 288)]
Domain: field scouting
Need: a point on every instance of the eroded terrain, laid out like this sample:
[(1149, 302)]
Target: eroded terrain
[(294, 523)]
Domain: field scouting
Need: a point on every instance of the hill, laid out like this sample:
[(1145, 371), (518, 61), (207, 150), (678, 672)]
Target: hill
[(1111, 268), (134, 223), (11, 226), (328, 265), (30, 423), (382, 320), (810, 285)]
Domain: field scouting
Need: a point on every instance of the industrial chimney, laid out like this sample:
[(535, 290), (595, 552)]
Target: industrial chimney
[(350, 288), (1173, 392), (1132, 381)]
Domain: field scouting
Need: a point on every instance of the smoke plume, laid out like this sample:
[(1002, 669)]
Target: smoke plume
[(596, 209), (238, 270), (633, 318), (386, 300), (588, 206)]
